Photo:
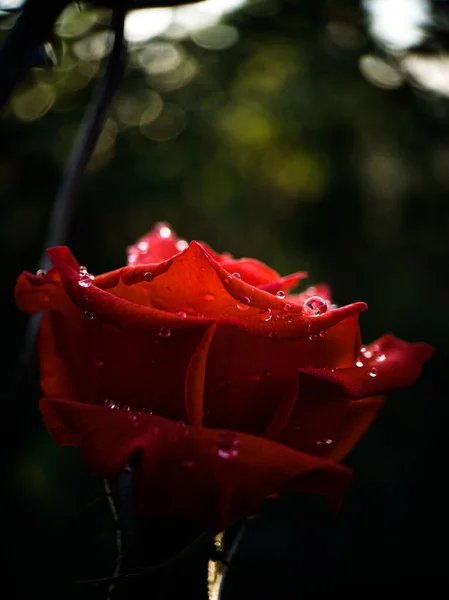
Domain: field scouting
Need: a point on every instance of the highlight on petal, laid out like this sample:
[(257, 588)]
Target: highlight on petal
[(211, 476), (386, 365)]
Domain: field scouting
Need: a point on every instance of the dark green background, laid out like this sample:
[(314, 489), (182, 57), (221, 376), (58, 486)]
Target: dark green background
[(291, 156)]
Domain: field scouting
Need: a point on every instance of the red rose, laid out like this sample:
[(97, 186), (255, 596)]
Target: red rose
[(227, 388)]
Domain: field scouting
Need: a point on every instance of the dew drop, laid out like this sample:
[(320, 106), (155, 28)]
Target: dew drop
[(111, 404), (367, 354), (84, 280), (373, 372), (236, 275), (314, 306), (319, 443), (181, 245), (287, 307), (164, 332), (83, 269), (313, 337), (148, 276), (359, 363), (228, 445), (243, 303), (134, 420), (329, 442), (265, 314), (182, 315), (41, 272), (280, 294), (165, 232), (363, 349), (380, 358), (323, 333), (88, 315), (143, 246)]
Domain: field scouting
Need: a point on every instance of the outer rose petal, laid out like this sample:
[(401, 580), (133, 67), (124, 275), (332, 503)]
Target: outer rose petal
[(196, 284), (122, 354), (283, 284), (324, 421), (212, 476), (394, 364)]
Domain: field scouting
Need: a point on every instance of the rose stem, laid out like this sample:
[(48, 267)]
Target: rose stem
[(63, 205)]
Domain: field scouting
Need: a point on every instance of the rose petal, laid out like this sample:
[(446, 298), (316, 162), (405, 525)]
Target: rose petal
[(194, 383), (212, 476), (246, 376), (252, 271), (159, 244), (357, 419), (34, 293), (284, 284), (393, 365)]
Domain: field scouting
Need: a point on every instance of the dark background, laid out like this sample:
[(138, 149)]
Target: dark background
[(292, 145)]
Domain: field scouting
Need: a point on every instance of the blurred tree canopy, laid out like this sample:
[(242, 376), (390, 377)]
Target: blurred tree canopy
[(291, 131)]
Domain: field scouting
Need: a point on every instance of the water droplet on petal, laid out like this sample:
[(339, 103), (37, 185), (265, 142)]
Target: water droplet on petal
[(319, 443), (287, 307), (359, 363), (380, 358), (329, 442), (367, 354), (143, 246), (84, 280), (111, 404), (228, 445), (236, 275), (83, 269), (243, 303), (265, 314), (362, 349), (164, 332), (323, 333), (181, 245), (165, 232), (148, 276), (373, 372), (182, 315), (88, 315), (280, 294), (41, 272), (134, 420), (314, 306), (313, 337)]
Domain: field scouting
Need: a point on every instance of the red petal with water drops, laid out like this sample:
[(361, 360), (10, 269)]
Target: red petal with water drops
[(246, 375), (159, 244), (214, 477), (388, 364), (113, 350)]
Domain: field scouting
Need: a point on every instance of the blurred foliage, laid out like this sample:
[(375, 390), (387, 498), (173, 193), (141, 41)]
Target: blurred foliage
[(284, 130)]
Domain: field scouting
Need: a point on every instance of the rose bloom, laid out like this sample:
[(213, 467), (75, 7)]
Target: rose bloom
[(204, 371)]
